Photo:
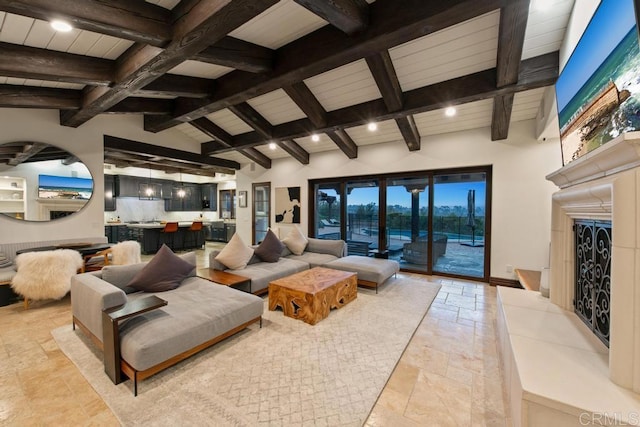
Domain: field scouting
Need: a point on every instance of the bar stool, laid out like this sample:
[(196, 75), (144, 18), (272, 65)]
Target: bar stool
[(192, 234), (168, 233)]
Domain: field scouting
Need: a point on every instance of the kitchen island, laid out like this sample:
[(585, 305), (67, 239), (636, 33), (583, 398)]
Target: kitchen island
[(151, 237)]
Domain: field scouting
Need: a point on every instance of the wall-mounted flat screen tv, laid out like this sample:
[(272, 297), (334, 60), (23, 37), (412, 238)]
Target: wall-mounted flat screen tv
[(64, 187), (598, 91)]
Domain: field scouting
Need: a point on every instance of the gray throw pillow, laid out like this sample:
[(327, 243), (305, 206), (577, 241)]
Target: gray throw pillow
[(164, 272), (271, 248)]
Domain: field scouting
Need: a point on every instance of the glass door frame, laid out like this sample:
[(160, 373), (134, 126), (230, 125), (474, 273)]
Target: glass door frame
[(382, 182), (254, 186)]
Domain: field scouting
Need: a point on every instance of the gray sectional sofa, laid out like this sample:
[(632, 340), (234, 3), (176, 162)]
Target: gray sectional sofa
[(197, 315), (317, 253)]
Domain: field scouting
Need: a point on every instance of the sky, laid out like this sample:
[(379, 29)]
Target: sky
[(611, 22), (454, 194), (65, 182)]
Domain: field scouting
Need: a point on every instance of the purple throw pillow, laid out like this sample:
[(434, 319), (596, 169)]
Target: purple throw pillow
[(164, 272)]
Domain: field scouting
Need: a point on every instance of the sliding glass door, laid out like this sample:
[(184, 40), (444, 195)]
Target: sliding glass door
[(433, 222), (407, 221), (459, 223)]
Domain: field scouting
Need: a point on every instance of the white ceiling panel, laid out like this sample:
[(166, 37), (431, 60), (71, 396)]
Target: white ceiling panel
[(277, 107), (277, 153), (546, 28), (280, 24), (325, 144), (469, 116), (526, 104), (15, 28), (108, 47), (387, 131), (228, 121), (344, 86), (453, 52), (167, 4), (193, 132), (200, 69), (234, 156), (40, 35)]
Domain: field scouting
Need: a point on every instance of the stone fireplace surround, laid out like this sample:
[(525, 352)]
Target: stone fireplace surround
[(556, 371)]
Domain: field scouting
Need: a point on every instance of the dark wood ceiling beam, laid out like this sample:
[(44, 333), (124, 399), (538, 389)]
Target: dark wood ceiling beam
[(223, 139), (131, 20), (148, 106), (391, 24), (294, 150), (541, 71), (300, 93), (29, 151), (256, 156), (350, 16), (409, 131), (206, 23), (344, 142), (150, 150), (238, 54), (212, 130), (12, 96), (502, 106), (513, 23), (42, 64), (254, 119), (177, 85), (384, 74)]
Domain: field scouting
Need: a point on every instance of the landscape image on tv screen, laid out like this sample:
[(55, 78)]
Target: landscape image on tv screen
[(598, 91), (64, 187)]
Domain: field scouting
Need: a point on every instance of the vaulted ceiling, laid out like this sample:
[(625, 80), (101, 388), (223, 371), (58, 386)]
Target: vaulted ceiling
[(237, 75)]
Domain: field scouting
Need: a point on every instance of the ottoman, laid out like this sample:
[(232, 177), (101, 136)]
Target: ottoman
[(371, 271)]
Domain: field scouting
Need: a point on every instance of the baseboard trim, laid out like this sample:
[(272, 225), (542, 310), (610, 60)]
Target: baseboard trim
[(499, 281)]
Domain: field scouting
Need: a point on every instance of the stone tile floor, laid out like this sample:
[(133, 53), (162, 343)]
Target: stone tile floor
[(449, 375)]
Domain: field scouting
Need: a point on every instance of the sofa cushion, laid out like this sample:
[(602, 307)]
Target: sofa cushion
[(264, 272), (235, 254), (313, 259), (296, 241), (270, 249), (164, 272), (370, 269), (153, 337), (326, 246)]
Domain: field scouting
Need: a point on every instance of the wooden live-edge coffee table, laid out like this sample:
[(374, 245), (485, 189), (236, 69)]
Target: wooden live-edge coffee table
[(311, 294), (223, 278)]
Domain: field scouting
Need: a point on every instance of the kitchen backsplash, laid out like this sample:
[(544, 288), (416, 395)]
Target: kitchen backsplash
[(132, 209)]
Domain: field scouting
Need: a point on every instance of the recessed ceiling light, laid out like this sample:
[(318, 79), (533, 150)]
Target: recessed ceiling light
[(272, 145), (450, 112), (315, 137), (63, 27), (372, 126)]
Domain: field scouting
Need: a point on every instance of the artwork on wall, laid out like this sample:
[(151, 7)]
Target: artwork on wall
[(288, 205), (598, 91)]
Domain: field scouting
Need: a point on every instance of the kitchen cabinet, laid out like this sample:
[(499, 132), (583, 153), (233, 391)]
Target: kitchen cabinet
[(209, 197), (117, 233), (126, 186), (109, 193), (191, 201)]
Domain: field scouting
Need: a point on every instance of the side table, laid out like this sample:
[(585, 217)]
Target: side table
[(224, 278)]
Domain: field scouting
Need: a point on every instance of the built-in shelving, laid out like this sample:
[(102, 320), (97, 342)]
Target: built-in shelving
[(13, 192)]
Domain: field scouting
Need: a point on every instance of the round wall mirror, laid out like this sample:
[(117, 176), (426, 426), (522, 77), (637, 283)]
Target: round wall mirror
[(41, 182)]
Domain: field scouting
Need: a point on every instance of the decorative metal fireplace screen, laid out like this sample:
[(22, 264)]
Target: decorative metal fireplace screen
[(593, 275)]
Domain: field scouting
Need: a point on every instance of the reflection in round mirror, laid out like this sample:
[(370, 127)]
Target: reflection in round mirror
[(41, 182)]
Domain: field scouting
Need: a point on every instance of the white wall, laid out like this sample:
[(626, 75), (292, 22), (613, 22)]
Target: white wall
[(521, 205), (86, 142)]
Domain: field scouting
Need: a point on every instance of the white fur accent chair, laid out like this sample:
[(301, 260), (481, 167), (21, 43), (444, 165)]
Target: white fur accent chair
[(45, 274)]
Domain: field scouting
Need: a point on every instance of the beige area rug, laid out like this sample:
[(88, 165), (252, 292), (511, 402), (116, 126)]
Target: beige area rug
[(285, 373)]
